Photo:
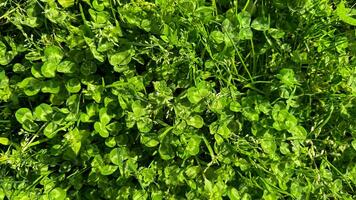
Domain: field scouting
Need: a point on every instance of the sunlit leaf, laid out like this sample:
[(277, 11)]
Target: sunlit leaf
[(196, 121)]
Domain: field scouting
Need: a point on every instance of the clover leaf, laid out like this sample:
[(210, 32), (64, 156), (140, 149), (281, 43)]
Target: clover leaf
[(196, 121), (57, 194), (43, 112), (53, 54), (121, 58), (24, 114), (101, 129), (73, 85)]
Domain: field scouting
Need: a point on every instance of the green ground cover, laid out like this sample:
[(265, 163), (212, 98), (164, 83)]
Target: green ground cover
[(177, 99)]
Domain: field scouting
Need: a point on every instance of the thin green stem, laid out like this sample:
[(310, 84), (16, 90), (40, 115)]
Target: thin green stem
[(240, 57), (210, 149)]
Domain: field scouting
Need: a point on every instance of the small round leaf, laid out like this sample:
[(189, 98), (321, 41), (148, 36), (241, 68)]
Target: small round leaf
[(144, 125), (235, 106), (51, 86), (88, 68), (193, 146), (196, 121), (4, 141), (57, 194), (23, 114), (121, 58), (67, 67), (149, 139), (43, 112), (73, 85), (53, 54), (108, 169), (101, 129), (30, 86), (50, 130), (48, 69)]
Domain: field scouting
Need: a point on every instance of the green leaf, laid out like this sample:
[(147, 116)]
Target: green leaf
[(51, 86), (235, 106), (218, 105), (53, 54), (296, 190), (4, 141), (110, 142), (92, 109), (100, 18), (101, 129), (118, 156), (244, 18), (269, 196), (6, 56), (245, 34), (98, 6), (5, 92), (193, 145), (224, 131), (192, 171), (264, 107), (343, 13), (36, 70), (276, 33), (92, 46), (162, 89), (250, 113), (2, 194), (18, 68), (233, 194), (287, 77), (138, 109), (144, 125), (193, 95), (4, 80), (166, 151), (95, 92), (217, 36), (149, 139), (196, 94), (66, 3), (43, 112), (67, 67), (33, 55), (73, 85), (196, 121), (104, 117), (88, 68), (121, 58), (139, 195), (268, 143), (74, 137), (298, 132), (208, 186), (157, 195), (353, 144), (260, 24), (48, 69), (284, 149), (30, 126), (23, 114), (130, 120), (30, 85), (50, 130), (137, 82), (57, 194)]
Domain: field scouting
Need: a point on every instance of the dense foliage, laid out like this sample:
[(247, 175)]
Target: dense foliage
[(177, 99)]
